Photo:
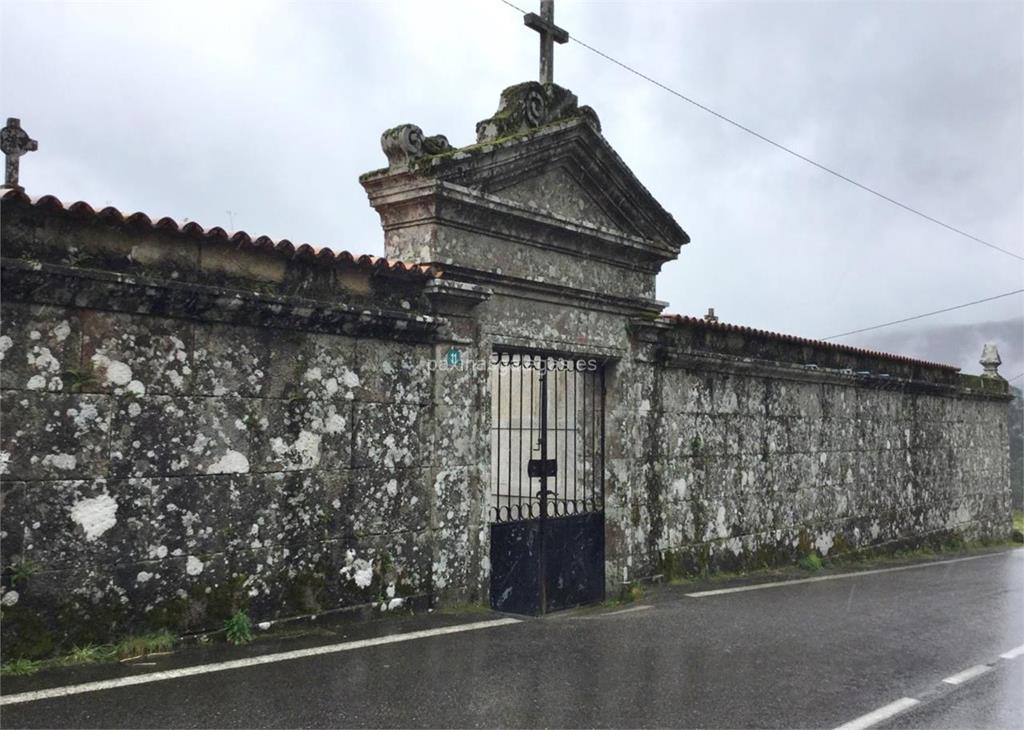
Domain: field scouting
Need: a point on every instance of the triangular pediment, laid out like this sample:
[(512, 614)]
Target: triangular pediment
[(569, 171), (558, 192)]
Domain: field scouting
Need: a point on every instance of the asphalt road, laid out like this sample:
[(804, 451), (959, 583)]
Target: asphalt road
[(812, 654)]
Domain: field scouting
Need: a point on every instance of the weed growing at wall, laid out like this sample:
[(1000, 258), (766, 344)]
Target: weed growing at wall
[(238, 628), (20, 667), (22, 570), (811, 562), (144, 644), (89, 654), (77, 379), (131, 647)]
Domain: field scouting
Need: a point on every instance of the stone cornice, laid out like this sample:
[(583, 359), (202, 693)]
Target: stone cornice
[(659, 346), (41, 283), (557, 293), (416, 202)]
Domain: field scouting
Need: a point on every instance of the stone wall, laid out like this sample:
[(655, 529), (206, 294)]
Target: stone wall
[(177, 446), (747, 463)]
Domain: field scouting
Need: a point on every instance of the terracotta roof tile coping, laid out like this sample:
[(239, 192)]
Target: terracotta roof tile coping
[(241, 239), (725, 327)]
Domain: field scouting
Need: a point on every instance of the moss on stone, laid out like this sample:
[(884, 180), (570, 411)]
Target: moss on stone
[(305, 592), (26, 635), (222, 600)]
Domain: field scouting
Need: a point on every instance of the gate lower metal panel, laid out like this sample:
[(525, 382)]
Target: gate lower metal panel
[(540, 566), (515, 567), (573, 561)]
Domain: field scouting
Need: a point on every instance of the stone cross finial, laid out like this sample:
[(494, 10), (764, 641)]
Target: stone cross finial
[(549, 35), (711, 316), (14, 142), (991, 361)]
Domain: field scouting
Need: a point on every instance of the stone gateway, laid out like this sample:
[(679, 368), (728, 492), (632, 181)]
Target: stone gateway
[(197, 421)]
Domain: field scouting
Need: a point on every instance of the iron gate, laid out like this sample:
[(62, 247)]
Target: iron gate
[(547, 482)]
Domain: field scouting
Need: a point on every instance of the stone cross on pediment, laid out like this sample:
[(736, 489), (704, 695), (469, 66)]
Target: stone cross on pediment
[(14, 142), (550, 34)]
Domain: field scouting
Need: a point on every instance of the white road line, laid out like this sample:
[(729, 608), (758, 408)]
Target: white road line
[(632, 609), (838, 576), (968, 674), (1013, 653), (882, 713), (75, 689)]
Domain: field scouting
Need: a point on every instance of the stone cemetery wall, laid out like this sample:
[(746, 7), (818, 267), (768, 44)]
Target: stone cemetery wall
[(194, 425), (760, 459)]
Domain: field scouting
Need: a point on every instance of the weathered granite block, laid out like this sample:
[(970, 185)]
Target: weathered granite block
[(40, 347), (167, 436), (288, 435), (54, 435), (389, 435), (326, 368), (385, 501), (244, 361), (455, 440), (394, 372), (126, 354), (83, 523)]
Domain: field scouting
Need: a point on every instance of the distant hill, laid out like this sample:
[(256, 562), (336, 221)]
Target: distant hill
[(956, 344)]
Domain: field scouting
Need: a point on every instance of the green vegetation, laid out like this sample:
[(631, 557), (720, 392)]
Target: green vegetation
[(20, 667), (770, 560), (131, 647), (1018, 521), (631, 593), (75, 379), (22, 570), (90, 653), (811, 562), (238, 628), (144, 644)]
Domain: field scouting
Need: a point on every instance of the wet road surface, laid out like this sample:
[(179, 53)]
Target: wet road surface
[(810, 654)]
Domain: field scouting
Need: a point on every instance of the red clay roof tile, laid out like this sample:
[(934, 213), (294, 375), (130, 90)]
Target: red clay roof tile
[(241, 239), (725, 327)]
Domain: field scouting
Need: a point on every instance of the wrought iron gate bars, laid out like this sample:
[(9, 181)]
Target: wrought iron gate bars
[(565, 432)]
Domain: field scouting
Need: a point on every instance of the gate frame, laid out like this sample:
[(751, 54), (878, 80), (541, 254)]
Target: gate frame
[(534, 533)]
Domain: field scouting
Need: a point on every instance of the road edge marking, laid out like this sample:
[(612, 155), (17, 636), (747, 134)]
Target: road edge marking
[(882, 713), (74, 689), (968, 674), (631, 609), (1012, 653), (838, 576)]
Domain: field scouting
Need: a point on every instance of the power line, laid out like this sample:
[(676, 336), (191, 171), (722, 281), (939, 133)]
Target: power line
[(1018, 375), (783, 147), (926, 314)]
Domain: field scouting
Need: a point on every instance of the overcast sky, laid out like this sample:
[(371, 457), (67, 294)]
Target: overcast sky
[(261, 116)]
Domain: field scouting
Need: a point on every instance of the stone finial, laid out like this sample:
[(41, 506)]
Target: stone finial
[(406, 143), (14, 142), (711, 316), (530, 105), (991, 361)]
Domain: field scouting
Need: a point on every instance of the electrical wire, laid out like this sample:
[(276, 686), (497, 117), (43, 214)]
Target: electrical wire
[(926, 314)]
